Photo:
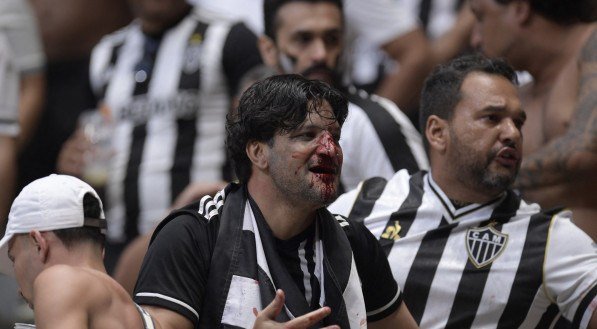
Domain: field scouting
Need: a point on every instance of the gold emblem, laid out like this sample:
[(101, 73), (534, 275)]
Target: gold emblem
[(391, 232)]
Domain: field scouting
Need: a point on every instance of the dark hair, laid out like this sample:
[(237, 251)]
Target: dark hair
[(71, 236), (441, 91), (563, 11), (270, 13), (278, 104)]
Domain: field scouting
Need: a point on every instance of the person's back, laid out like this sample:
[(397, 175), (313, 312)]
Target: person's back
[(53, 246), (94, 294)]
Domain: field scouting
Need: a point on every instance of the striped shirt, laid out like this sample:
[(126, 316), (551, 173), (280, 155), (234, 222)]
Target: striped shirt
[(378, 140), (169, 97), (503, 264)]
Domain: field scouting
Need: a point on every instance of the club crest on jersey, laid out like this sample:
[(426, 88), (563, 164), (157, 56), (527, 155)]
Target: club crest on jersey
[(392, 232), (192, 58), (485, 244)]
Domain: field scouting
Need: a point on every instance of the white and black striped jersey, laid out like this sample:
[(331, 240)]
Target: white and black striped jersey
[(503, 264), (169, 96), (9, 90), (377, 140)]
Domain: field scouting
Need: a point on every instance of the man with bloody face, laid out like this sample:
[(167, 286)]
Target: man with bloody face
[(269, 239)]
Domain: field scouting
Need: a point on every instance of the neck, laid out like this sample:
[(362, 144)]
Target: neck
[(82, 255), (553, 53), (462, 194), (286, 218)]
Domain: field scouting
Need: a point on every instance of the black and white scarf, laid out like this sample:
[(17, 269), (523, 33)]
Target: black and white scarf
[(246, 270)]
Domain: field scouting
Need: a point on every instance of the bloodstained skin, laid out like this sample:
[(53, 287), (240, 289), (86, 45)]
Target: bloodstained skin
[(328, 150)]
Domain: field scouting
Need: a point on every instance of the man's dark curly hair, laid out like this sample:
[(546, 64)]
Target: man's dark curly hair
[(563, 11), (441, 91), (277, 104)]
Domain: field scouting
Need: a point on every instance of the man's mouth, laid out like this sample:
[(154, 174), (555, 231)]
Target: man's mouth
[(324, 169), (508, 157)]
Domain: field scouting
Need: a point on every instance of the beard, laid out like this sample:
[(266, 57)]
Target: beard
[(331, 75), (474, 170)]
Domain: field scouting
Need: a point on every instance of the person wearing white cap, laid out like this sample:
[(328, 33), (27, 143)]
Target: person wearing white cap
[(55, 242)]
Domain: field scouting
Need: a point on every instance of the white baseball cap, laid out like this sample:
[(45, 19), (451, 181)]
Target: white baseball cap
[(51, 203)]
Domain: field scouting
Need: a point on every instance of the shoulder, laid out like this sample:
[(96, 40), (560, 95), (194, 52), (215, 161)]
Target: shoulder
[(115, 38), (197, 220), (66, 285)]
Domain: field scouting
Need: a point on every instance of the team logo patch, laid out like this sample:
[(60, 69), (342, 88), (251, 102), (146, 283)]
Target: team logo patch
[(392, 232), (485, 244), (192, 57)]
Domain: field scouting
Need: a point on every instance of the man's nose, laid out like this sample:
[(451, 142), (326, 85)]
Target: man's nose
[(318, 50), (510, 132), (476, 39), (328, 146)]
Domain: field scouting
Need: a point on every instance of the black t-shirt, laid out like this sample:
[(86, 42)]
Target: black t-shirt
[(175, 269)]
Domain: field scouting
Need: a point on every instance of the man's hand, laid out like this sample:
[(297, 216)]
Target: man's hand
[(71, 159), (266, 318)]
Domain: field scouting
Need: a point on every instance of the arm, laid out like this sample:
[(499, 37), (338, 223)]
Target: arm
[(8, 172), (172, 280), (574, 154), (71, 159), (401, 318), (456, 40), (166, 319), (33, 87), (404, 84)]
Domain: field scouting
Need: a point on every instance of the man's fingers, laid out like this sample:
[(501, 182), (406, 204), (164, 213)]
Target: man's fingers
[(273, 309), (310, 319)]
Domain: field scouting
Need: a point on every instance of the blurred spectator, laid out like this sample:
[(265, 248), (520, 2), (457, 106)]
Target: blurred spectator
[(69, 29), (9, 129), (371, 25), (556, 42), (165, 80), (21, 30)]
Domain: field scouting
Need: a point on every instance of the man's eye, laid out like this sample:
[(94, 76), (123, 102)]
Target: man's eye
[(308, 135), (493, 118)]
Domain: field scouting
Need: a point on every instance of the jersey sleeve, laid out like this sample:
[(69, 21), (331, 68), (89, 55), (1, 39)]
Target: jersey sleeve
[(570, 272), (239, 55), (175, 269), (380, 291)]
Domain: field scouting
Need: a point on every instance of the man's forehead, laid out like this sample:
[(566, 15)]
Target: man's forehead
[(306, 16)]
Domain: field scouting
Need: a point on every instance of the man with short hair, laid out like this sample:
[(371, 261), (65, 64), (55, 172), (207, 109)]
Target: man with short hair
[(467, 250), (55, 240), (556, 42), (307, 38), (219, 262)]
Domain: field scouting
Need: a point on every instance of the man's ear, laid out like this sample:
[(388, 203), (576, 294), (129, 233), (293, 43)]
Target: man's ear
[(268, 50), (436, 132), (258, 154), (521, 12), (41, 244)]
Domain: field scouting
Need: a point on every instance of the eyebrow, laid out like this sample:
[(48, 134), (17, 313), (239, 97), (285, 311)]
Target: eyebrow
[(501, 109)]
